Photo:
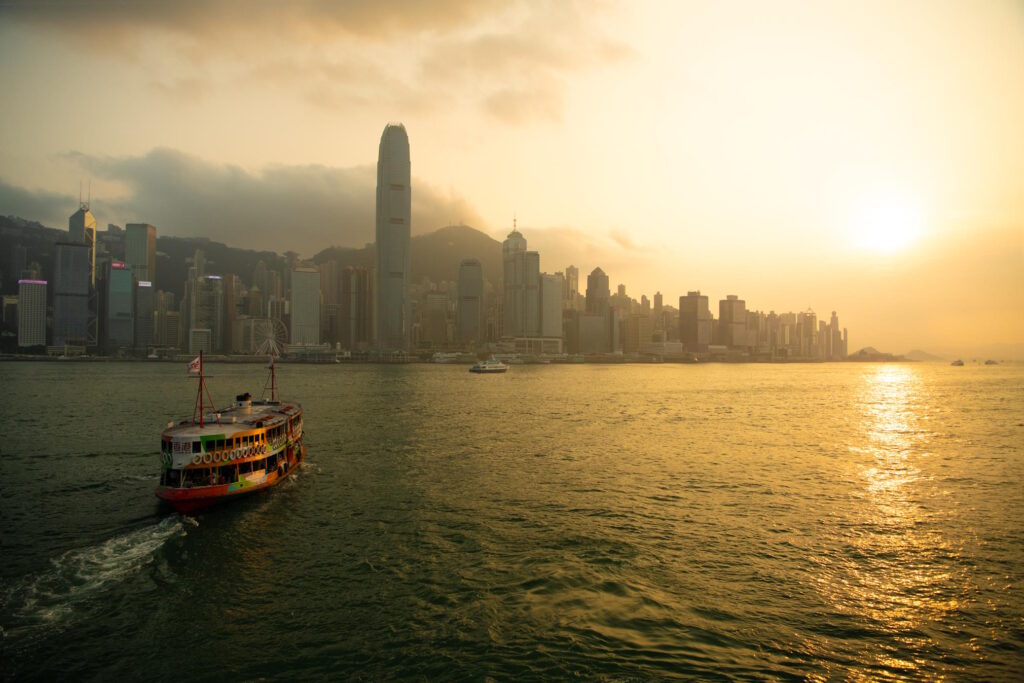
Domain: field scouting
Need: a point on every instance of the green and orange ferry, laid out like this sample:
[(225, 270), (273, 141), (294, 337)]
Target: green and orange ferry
[(220, 455)]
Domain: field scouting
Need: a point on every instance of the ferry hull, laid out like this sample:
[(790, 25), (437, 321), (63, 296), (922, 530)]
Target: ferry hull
[(186, 500)]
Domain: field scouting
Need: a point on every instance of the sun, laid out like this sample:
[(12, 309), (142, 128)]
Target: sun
[(888, 225)]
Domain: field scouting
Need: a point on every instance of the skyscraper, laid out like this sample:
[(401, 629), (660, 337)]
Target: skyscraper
[(513, 283), (71, 294), (551, 287), (571, 287), (120, 308), (393, 231), (694, 322), (31, 312), (470, 310), (144, 295), (305, 307), (355, 307), (598, 294), (206, 313), (82, 228), (732, 321), (140, 251)]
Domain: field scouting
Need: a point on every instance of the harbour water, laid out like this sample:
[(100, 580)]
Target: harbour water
[(850, 521)]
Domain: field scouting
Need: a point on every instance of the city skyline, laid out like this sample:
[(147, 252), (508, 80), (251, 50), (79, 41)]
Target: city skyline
[(808, 155)]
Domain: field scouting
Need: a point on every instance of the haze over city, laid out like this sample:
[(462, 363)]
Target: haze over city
[(863, 157)]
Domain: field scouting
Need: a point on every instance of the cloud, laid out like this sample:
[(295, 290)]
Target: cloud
[(302, 208), (49, 208), (625, 241), (511, 62), (234, 23)]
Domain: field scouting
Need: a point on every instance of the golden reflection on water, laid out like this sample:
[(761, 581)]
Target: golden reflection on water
[(896, 572)]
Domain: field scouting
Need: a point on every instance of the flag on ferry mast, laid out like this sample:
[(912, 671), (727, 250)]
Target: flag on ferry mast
[(193, 367)]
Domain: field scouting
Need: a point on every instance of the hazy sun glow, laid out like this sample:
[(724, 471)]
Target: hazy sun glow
[(887, 225)]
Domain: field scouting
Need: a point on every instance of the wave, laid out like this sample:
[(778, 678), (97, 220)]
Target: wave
[(78, 575)]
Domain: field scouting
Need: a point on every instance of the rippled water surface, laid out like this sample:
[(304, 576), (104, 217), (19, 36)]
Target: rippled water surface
[(849, 521)]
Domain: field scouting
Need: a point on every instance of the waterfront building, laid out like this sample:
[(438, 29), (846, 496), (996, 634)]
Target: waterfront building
[(140, 251), (206, 313), (520, 287), (120, 308), (637, 331), (71, 294), (551, 288), (31, 313), (356, 308), (394, 220), (434, 320), (598, 293), (732, 322), (593, 336), (82, 228), (571, 286), (470, 307), (305, 307), (172, 329), (200, 339), (807, 334), (694, 322), (144, 305)]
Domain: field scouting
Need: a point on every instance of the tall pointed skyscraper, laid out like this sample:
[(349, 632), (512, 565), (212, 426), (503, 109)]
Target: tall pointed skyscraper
[(82, 227), (393, 231)]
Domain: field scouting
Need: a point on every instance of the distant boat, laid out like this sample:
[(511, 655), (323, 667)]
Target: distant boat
[(489, 367), (991, 362), (958, 363)]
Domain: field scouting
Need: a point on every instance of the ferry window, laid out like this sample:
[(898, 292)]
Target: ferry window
[(196, 446), (244, 467)]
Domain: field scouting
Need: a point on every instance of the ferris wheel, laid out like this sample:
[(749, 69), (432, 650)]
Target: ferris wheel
[(269, 337)]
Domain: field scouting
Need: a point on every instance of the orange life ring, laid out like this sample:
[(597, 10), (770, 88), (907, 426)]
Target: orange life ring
[(207, 458)]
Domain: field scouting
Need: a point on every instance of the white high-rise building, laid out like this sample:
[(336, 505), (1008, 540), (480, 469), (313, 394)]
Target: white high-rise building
[(31, 312), (305, 307), (140, 251), (394, 219)]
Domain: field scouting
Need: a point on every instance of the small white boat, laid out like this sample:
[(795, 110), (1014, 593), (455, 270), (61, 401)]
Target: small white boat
[(489, 366)]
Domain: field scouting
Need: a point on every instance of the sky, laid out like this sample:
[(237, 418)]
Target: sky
[(864, 157)]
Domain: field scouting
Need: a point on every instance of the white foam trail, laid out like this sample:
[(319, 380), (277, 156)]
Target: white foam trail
[(80, 573)]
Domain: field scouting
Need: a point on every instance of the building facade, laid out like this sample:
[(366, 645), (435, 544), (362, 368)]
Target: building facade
[(470, 306), (694, 322), (394, 262), (305, 307), (71, 291), (31, 313), (82, 228), (140, 251), (120, 308)]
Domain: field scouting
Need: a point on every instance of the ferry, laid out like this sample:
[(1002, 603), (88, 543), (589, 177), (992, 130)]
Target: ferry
[(489, 366), (220, 455)]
